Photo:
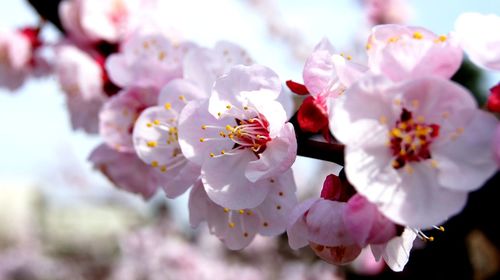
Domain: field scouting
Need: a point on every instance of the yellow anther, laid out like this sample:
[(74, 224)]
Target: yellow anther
[(202, 140), (421, 119), (442, 38), (383, 119), (154, 163), (434, 163), (229, 128), (397, 102), (403, 125), (145, 44), (152, 144), (222, 134), (431, 238), (396, 132), (203, 127), (163, 168), (157, 122), (161, 55), (417, 35), (222, 152), (249, 213), (342, 54), (402, 153), (212, 155), (445, 115), (231, 225), (182, 98), (172, 130), (368, 46), (149, 124), (226, 210), (441, 228), (168, 106), (245, 108), (219, 114), (228, 107), (242, 211), (349, 57)]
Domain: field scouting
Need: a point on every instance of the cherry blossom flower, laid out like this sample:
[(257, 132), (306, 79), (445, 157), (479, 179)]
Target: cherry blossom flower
[(396, 251), (403, 52), (319, 223), (478, 36), (337, 227), (239, 137), (119, 114), (80, 77), (156, 132), (414, 148), (18, 59), (326, 75), (125, 170), (89, 21), (146, 61), (237, 227)]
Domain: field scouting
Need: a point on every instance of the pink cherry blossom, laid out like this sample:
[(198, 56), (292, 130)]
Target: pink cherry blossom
[(396, 251), (414, 148), (239, 136), (402, 52), (155, 137), (18, 59), (147, 61), (80, 77), (478, 36), (119, 114), (88, 21), (326, 75), (237, 227), (319, 222), (125, 171)]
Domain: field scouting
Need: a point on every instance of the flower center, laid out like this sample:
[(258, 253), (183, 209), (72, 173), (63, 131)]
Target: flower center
[(410, 139), (247, 129)]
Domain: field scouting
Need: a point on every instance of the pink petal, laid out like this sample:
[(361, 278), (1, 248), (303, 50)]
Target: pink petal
[(325, 224), (278, 204), (244, 83), (125, 170), (278, 157), (225, 182), (397, 251), (319, 70), (478, 36), (192, 119), (297, 230), (365, 223)]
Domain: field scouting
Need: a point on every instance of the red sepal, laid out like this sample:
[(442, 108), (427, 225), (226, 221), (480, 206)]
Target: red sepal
[(297, 88), (493, 103), (312, 116)]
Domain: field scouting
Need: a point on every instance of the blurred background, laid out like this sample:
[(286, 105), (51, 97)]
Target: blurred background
[(59, 219)]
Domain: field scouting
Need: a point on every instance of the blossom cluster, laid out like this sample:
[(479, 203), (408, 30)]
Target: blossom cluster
[(176, 116)]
